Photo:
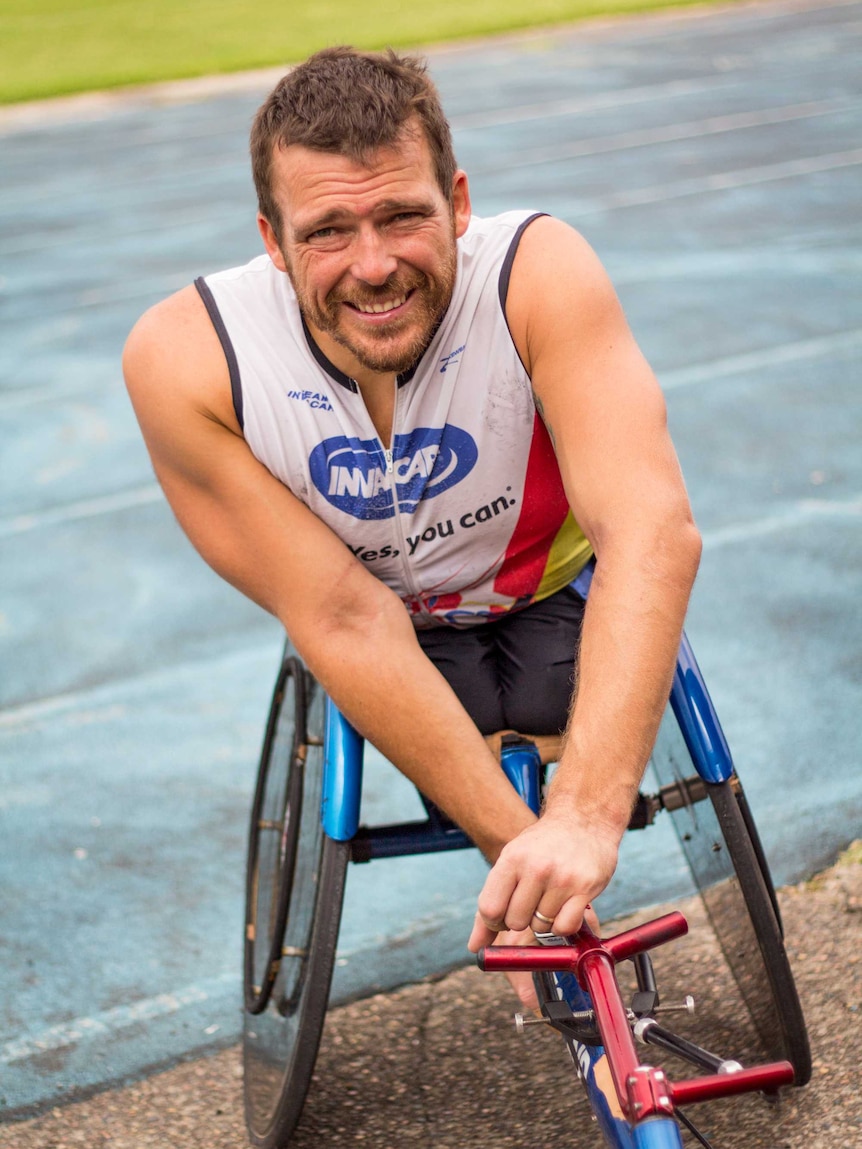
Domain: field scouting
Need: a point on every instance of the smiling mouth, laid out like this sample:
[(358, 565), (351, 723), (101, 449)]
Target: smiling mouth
[(381, 308)]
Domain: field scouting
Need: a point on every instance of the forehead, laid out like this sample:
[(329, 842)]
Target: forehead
[(309, 184)]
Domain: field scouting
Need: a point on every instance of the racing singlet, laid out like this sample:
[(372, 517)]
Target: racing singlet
[(463, 514)]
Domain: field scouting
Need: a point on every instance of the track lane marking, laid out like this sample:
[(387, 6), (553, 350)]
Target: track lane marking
[(759, 360), (789, 518), (670, 381), (109, 1021), (669, 133), (720, 181), (83, 509), (46, 709)]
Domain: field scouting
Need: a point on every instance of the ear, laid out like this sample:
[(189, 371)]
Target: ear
[(461, 207), (270, 242)]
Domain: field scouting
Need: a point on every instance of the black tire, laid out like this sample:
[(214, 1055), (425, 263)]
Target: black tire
[(273, 835), (294, 901), (723, 851)]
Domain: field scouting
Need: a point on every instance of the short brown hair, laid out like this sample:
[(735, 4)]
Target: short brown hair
[(349, 103)]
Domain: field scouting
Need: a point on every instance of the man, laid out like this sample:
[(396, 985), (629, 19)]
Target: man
[(403, 406)]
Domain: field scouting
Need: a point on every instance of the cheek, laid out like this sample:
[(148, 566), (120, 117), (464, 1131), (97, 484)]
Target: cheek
[(313, 276), (433, 256), (326, 272)]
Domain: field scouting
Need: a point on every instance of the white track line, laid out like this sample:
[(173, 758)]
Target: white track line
[(761, 360), (575, 105), (668, 133), (720, 181), (109, 1021), (788, 519), (234, 662), (613, 201), (498, 117), (73, 701), (26, 396), (85, 509), (805, 349)]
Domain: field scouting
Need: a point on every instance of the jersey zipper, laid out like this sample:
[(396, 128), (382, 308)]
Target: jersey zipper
[(400, 537)]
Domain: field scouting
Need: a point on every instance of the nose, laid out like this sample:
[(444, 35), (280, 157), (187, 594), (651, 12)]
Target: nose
[(372, 263)]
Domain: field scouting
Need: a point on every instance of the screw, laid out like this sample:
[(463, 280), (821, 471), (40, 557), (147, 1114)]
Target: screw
[(522, 1020), (686, 1006)]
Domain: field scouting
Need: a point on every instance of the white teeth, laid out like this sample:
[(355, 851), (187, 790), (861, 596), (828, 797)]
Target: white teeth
[(379, 308)]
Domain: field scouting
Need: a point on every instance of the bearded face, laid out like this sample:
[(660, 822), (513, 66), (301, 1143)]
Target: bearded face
[(370, 248), (384, 328)]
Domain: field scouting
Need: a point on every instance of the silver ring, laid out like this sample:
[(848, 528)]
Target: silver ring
[(542, 918)]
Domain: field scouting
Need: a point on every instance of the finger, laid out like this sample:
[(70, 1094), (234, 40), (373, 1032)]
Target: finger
[(520, 981), (522, 904), (560, 924), (543, 923), (522, 984), (495, 896), (480, 935), (570, 915)]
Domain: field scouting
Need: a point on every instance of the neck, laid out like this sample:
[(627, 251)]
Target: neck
[(379, 399), (346, 362)]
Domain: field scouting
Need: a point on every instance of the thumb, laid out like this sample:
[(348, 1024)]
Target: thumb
[(481, 935)]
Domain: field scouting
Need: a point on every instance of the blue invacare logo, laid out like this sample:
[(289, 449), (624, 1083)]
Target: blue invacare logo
[(352, 475)]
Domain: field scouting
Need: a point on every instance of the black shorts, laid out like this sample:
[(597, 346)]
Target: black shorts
[(518, 672)]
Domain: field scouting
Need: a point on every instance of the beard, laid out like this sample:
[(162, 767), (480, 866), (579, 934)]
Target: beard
[(398, 345)]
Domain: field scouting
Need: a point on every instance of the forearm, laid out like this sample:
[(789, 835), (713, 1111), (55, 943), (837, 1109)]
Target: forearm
[(630, 639), (375, 671)]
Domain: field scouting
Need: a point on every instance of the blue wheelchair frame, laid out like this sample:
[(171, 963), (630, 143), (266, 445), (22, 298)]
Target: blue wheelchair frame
[(343, 765), (342, 787)]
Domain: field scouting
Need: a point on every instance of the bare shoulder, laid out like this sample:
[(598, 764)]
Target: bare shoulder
[(551, 244), (173, 359), (557, 278)]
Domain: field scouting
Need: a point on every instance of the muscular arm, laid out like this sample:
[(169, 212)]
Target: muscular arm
[(606, 416), (353, 632)]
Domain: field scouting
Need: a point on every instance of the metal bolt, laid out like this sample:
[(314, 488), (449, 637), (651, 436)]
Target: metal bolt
[(522, 1020), (686, 1006)]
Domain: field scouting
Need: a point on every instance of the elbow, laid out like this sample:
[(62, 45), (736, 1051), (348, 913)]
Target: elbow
[(354, 622), (358, 618), (689, 548), (685, 538), (661, 540), (677, 542), (677, 550)]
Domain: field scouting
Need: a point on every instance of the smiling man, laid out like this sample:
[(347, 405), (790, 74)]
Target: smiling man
[(404, 431)]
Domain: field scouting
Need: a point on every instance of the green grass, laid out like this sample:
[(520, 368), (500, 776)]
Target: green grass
[(56, 47)]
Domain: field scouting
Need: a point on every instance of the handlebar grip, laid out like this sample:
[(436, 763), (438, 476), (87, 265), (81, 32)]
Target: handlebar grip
[(529, 958)]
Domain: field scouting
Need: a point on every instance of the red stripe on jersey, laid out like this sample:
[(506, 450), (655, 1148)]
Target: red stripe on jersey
[(543, 512)]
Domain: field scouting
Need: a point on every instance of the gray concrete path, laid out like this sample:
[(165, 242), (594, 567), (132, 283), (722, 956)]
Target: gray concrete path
[(713, 159), (439, 1064)]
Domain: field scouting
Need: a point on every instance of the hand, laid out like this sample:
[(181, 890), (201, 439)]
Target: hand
[(557, 866), (520, 981)]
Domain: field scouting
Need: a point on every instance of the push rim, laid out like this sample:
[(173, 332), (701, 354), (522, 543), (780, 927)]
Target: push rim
[(280, 1042), (729, 868), (273, 835)]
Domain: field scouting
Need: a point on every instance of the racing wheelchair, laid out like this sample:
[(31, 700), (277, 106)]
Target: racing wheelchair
[(305, 830)]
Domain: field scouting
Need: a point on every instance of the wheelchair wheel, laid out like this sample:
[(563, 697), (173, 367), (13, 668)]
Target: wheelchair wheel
[(294, 894), (723, 851)]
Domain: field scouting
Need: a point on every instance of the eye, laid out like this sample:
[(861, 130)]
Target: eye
[(321, 233), (406, 216)]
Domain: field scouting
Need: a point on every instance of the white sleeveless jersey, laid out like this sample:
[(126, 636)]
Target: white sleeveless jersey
[(463, 514)]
